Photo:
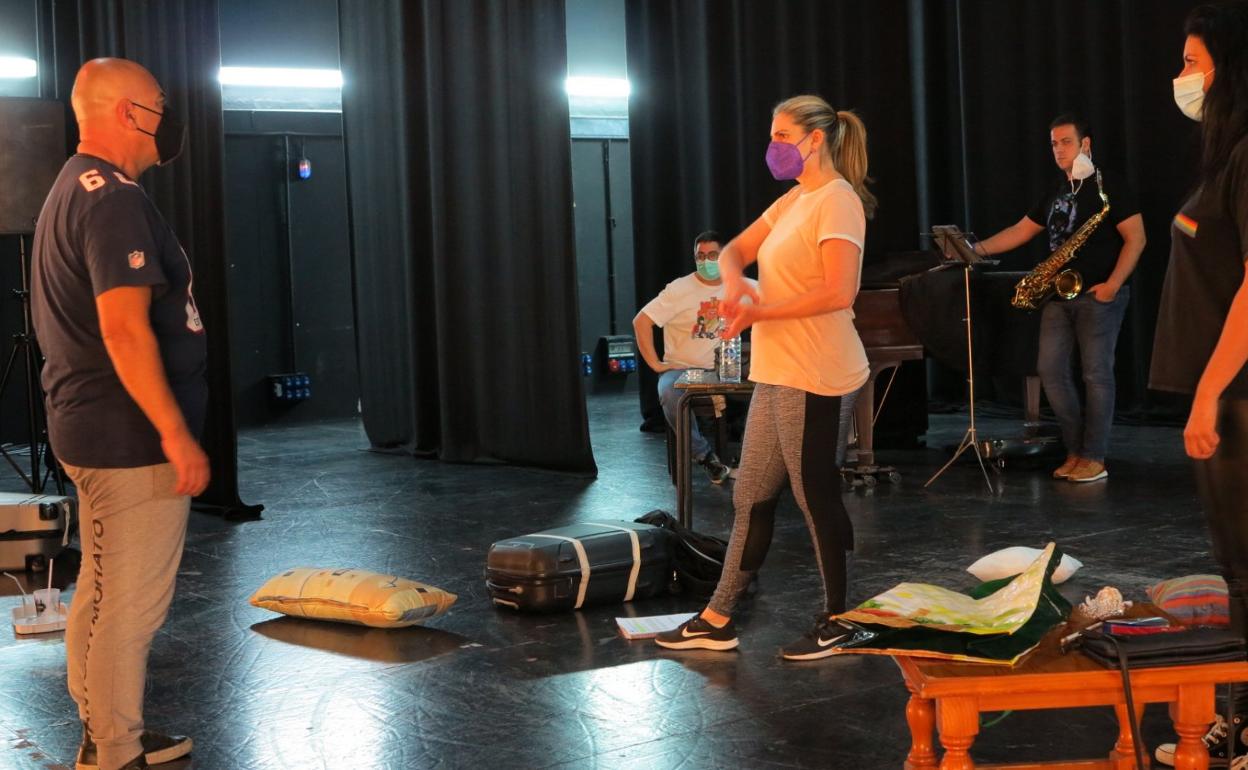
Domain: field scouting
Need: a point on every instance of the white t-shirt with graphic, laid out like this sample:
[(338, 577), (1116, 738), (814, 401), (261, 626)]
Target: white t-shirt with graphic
[(688, 312), (820, 354)]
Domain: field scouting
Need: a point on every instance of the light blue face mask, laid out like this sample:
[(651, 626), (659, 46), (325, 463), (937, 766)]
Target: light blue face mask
[(708, 269)]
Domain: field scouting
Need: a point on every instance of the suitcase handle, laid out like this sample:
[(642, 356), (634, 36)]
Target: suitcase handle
[(509, 589)]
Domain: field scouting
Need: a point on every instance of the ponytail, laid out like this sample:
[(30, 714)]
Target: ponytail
[(850, 157), (845, 142)]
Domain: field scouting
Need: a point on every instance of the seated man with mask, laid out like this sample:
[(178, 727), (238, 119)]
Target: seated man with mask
[(688, 312)]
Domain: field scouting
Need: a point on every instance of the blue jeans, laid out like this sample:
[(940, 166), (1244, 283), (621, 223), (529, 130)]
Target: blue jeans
[(669, 397), (1091, 327)]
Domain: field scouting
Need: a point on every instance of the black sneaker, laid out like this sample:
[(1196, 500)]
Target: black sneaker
[(820, 641), (697, 633), (157, 749), (1216, 740), (716, 471)]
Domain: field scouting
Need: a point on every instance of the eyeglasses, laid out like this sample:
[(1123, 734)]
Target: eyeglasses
[(702, 256)]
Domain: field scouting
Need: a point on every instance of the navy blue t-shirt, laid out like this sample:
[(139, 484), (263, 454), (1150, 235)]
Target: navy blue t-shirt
[(98, 231)]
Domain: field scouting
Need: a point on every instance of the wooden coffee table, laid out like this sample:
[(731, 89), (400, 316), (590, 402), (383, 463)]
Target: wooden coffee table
[(950, 697)]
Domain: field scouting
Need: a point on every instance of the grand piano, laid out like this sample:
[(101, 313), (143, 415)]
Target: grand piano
[(906, 309)]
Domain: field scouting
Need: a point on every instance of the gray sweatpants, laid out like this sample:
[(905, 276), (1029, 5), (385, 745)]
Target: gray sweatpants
[(789, 434), (132, 527)]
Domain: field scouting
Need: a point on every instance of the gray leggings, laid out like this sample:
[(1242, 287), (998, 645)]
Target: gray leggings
[(789, 434)]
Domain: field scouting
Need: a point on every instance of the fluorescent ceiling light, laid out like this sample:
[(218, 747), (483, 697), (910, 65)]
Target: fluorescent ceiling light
[(597, 87), (280, 77), (16, 67)]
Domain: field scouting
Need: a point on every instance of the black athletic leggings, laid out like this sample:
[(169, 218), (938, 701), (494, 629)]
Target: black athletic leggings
[(1222, 482)]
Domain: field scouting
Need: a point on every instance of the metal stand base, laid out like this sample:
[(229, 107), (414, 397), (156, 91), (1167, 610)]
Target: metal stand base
[(970, 441)]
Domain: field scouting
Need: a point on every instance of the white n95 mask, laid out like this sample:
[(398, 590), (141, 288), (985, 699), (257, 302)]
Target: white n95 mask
[(1189, 93)]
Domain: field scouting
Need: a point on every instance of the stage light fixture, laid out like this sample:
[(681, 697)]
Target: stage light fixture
[(17, 68), (607, 88), (280, 77)]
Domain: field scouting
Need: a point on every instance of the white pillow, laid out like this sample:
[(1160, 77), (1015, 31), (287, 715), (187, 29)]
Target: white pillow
[(1010, 561)]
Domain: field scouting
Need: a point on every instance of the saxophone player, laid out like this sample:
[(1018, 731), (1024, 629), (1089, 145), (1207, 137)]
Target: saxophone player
[(1088, 323)]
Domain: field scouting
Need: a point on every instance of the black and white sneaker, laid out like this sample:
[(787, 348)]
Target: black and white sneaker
[(1217, 740), (697, 633), (157, 750), (716, 471), (820, 641)]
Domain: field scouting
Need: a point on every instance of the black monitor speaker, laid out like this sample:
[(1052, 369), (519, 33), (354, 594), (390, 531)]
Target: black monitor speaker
[(32, 151)]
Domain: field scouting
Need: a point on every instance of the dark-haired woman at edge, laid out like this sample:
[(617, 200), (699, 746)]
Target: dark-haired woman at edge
[(1202, 330), (806, 355)]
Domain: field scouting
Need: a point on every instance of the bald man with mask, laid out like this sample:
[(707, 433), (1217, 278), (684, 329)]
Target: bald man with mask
[(126, 395)]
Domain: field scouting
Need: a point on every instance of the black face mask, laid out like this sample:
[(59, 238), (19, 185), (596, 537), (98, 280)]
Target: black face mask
[(170, 134)]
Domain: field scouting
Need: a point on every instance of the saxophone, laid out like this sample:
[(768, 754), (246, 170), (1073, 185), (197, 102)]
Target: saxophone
[(1048, 276)]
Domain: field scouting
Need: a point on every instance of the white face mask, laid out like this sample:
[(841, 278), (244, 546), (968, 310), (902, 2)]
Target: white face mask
[(1189, 93), (1082, 168)]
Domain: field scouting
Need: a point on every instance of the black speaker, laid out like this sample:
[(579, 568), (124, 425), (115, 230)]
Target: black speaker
[(32, 151)]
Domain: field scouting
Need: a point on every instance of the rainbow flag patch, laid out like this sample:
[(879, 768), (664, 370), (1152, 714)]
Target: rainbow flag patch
[(1186, 224)]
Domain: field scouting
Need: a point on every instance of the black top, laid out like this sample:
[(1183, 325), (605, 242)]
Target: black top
[(1061, 212), (98, 231), (1208, 246)]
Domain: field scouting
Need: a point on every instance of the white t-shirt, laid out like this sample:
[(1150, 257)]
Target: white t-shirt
[(819, 354), (688, 312)]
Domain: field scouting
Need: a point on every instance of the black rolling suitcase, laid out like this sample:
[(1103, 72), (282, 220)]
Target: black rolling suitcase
[(577, 566)]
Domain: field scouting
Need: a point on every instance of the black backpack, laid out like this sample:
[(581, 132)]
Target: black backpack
[(697, 559)]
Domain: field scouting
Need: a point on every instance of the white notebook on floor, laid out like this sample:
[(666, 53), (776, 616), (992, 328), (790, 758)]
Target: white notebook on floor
[(649, 627)]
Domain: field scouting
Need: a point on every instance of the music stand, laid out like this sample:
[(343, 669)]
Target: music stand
[(956, 250)]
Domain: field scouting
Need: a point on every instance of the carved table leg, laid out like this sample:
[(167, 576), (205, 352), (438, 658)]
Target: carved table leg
[(1192, 714), (921, 716), (959, 724), (1123, 756)]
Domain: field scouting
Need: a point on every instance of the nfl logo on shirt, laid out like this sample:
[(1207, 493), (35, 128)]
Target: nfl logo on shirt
[(137, 260)]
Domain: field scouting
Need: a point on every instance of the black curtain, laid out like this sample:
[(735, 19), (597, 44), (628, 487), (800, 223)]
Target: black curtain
[(460, 181), (957, 97), (706, 75), (179, 42)]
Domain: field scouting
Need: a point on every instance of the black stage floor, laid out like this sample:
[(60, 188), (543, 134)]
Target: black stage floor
[(488, 688)]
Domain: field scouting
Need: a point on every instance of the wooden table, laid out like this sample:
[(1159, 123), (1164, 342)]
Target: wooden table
[(950, 697)]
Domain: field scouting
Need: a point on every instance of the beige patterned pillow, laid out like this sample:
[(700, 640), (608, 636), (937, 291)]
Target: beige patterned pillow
[(352, 596)]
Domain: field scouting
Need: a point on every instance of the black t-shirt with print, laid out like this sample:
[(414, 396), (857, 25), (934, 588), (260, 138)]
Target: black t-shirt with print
[(1061, 212), (98, 231), (1208, 247)]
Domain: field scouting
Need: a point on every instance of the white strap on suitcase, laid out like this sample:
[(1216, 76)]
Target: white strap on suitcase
[(583, 559)]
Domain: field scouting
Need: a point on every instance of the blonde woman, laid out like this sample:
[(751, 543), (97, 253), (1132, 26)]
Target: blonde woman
[(806, 355)]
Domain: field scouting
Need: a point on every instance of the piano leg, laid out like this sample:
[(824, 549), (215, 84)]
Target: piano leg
[(1032, 405), (865, 471), (863, 417)]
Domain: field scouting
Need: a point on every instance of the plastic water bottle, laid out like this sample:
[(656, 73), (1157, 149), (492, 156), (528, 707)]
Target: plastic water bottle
[(730, 360)]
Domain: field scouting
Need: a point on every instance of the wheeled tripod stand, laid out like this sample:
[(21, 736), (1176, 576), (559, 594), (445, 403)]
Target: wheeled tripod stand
[(25, 353)]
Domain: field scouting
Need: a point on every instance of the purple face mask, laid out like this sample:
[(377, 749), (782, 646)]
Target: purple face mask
[(786, 161)]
